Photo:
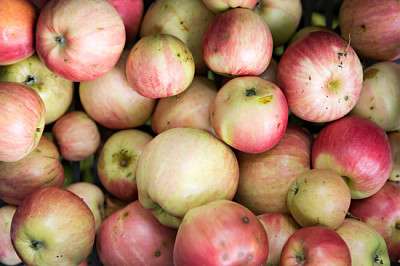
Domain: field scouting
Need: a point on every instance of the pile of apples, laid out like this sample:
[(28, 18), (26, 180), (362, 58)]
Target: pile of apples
[(221, 133)]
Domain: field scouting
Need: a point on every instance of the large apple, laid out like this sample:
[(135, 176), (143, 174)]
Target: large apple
[(221, 232), (394, 140), (8, 256), (53, 226), (229, 47), (265, 178), (315, 245), (56, 92), (321, 77), (22, 120), (133, 236), (182, 168), (367, 246), (17, 30), (84, 42), (250, 114), (112, 103), (222, 5), (358, 150)]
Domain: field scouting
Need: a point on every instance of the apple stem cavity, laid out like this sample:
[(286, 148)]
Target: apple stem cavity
[(60, 40), (251, 92), (346, 179), (300, 258), (397, 226), (36, 245)]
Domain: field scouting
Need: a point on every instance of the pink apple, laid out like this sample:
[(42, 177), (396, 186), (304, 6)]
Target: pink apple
[(133, 236), (17, 30), (229, 47), (321, 77), (53, 226), (22, 120), (8, 256), (394, 140), (279, 228), (160, 65), (84, 42), (249, 114), (221, 232), (222, 5), (358, 150), (119, 108), (315, 245), (76, 135)]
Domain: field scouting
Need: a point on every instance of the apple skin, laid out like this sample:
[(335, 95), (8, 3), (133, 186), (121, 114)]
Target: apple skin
[(228, 45), (321, 77), (362, 21), (117, 162), (76, 135), (184, 165), (367, 246), (358, 150), (53, 226), (177, 18), (315, 245), (75, 50), (382, 212), (113, 204), (265, 178), (159, 66), (380, 95), (221, 232), (56, 92), (133, 236), (249, 114), (41, 168), (217, 6), (279, 228), (123, 108), (17, 30), (8, 256), (40, 3), (22, 120), (319, 197), (394, 140), (190, 108), (307, 29)]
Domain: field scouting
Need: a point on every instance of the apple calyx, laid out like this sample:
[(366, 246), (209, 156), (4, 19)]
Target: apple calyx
[(300, 258), (36, 245), (251, 92), (60, 40), (30, 80), (377, 259)]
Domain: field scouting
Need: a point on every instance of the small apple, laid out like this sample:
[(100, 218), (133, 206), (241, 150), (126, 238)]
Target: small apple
[(8, 256), (222, 5), (394, 140)]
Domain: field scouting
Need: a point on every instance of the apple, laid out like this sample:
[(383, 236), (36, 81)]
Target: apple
[(367, 246), (369, 25), (8, 256), (76, 135), (182, 168), (229, 47), (282, 18), (358, 150), (265, 178), (222, 5), (56, 92), (380, 95), (117, 162), (53, 226), (394, 140), (249, 114), (119, 108), (84, 42), (221, 232), (22, 120), (316, 245), (160, 65), (17, 30), (133, 236), (319, 197), (307, 29), (186, 20), (321, 77), (190, 108), (279, 228), (113, 204), (41, 168)]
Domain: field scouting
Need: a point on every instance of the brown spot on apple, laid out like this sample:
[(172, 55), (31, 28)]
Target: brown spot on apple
[(157, 253), (245, 220), (363, 27), (346, 98), (370, 73), (266, 99)]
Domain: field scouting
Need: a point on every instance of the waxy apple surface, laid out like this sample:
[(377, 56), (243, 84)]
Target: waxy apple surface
[(394, 140), (222, 5), (8, 256)]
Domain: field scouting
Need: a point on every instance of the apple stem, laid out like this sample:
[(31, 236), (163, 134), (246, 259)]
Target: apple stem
[(352, 216)]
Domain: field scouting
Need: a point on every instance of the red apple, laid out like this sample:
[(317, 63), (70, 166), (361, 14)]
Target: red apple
[(159, 65), (321, 77), (8, 256), (22, 120), (17, 30), (222, 5), (229, 47), (315, 245), (76, 135), (133, 236), (84, 42), (394, 140), (221, 232), (358, 150), (250, 114)]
